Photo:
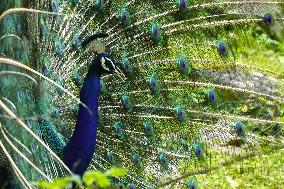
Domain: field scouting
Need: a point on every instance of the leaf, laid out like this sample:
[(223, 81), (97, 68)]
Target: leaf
[(102, 181), (89, 178), (56, 184), (116, 172), (62, 182), (97, 177)]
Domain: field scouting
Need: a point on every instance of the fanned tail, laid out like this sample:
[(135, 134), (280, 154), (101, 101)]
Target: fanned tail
[(201, 91)]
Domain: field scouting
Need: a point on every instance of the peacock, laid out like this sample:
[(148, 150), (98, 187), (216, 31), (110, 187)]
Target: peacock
[(168, 89)]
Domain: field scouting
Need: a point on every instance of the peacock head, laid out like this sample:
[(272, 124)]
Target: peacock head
[(103, 63)]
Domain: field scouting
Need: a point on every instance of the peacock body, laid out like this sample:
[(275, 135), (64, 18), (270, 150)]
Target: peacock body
[(202, 88)]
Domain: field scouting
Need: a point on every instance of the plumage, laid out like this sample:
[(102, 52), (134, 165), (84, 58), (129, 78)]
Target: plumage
[(88, 39), (201, 89)]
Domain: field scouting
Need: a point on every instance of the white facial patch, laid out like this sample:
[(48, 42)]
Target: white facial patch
[(111, 62), (103, 61)]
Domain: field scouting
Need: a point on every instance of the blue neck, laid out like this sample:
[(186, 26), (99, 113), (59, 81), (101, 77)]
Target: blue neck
[(79, 151)]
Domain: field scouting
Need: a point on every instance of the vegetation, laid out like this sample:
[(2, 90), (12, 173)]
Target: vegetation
[(91, 179)]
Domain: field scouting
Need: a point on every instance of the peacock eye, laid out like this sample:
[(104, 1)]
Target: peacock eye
[(99, 5), (126, 65), (211, 96), (75, 41), (55, 6), (45, 70), (198, 151), (268, 19), (103, 61), (184, 65), (28, 94), (191, 184), (182, 6), (136, 159), (156, 31), (131, 186), (30, 123), (126, 103), (181, 114), (121, 186), (148, 129), (153, 85), (239, 127), (20, 96), (222, 48), (163, 159), (184, 144), (124, 16), (110, 156)]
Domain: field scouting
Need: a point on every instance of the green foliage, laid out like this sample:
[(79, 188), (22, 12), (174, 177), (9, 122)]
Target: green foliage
[(91, 179), (96, 177)]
